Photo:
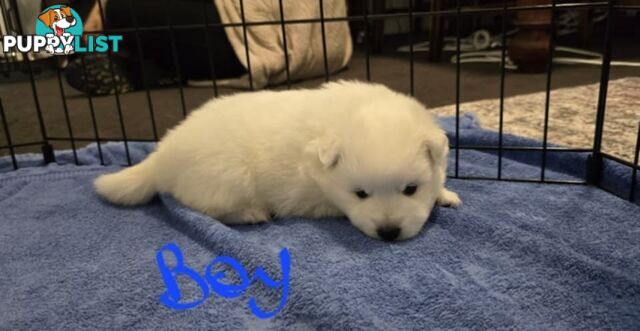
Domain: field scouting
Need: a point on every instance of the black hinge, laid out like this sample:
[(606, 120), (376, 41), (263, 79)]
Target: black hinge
[(594, 169), (47, 153)]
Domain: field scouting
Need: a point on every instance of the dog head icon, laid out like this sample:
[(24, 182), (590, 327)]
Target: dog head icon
[(58, 19)]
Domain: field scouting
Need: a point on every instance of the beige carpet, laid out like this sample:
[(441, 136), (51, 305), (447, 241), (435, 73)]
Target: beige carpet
[(571, 116)]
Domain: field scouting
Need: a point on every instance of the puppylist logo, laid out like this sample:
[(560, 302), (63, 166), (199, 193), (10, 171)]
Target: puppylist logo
[(59, 32)]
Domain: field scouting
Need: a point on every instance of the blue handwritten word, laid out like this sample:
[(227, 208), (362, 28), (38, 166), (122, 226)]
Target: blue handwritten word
[(171, 298)]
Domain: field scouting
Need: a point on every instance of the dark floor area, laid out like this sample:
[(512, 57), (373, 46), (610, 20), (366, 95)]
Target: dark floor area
[(434, 86)]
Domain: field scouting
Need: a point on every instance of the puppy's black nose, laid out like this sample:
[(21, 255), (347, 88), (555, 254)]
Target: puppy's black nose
[(70, 19), (388, 233)]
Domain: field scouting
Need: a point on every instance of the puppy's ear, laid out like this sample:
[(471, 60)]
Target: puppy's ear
[(437, 146), (66, 11), (325, 150), (47, 17)]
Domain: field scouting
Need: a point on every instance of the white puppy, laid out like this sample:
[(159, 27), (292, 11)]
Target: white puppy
[(348, 148)]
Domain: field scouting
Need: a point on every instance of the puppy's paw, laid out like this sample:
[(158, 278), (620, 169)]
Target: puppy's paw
[(448, 199)]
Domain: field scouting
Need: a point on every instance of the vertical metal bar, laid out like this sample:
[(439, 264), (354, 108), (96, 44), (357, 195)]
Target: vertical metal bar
[(176, 58), (92, 111), (11, 63), (134, 20), (284, 43), (210, 53), (47, 149), (634, 172), (411, 52), (367, 40), (4, 70), (458, 28), (324, 41), (116, 93), (8, 137), (595, 162), (436, 32), (4, 15), (505, 18), (545, 135), (67, 118), (6, 60), (246, 44)]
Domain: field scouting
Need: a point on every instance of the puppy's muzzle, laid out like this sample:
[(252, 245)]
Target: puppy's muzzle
[(388, 233), (70, 19)]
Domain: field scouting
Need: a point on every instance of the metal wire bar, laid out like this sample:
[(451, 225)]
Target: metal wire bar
[(145, 83), (595, 166), (116, 93), (367, 39), (634, 171), (627, 7), (6, 60), (246, 43), (4, 15), (210, 53), (36, 143), (176, 58), (458, 53), (411, 51), (417, 14), (101, 139), (5, 65), (324, 41), (525, 180), (522, 148), (66, 117), (7, 135), (604, 82), (502, 76), (461, 147), (284, 43), (545, 134), (92, 111)]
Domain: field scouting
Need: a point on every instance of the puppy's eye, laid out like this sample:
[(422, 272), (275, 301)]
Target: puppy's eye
[(361, 194), (410, 190)]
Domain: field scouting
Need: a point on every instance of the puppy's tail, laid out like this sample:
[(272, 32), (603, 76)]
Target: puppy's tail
[(131, 186)]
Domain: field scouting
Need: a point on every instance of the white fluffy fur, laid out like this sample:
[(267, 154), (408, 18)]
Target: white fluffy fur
[(302, 153)]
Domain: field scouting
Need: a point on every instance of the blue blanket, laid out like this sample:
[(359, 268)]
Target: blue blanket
[(515, 255)]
